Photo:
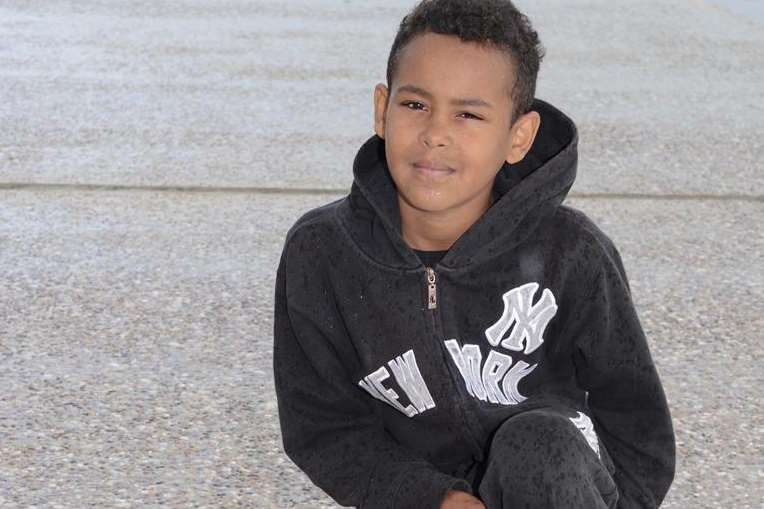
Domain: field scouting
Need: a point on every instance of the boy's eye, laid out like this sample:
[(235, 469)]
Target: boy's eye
[(416, 105)]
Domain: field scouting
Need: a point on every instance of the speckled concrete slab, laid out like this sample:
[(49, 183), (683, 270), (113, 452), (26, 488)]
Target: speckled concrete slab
[(667, 95), (136, 335)]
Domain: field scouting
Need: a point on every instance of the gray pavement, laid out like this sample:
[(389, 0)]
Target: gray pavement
[(252, 93), (752, 9), (135, 325)]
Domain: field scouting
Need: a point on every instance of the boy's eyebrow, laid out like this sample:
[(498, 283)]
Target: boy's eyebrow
[(465, 101)]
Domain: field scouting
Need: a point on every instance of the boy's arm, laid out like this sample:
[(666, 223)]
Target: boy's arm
[(330, 430), (613, 363)]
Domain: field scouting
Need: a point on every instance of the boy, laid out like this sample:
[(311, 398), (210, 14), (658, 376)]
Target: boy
[(449, 335)]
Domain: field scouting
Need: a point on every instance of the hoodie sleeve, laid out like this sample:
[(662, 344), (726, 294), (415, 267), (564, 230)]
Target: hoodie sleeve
[(613, 363), (329, 428)]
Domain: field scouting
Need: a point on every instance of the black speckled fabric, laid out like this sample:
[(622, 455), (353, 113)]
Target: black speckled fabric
[(392, 380), (542, 459)]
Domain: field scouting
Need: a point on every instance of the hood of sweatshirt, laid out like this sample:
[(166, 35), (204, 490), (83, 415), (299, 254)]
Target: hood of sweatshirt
[(526, 192)]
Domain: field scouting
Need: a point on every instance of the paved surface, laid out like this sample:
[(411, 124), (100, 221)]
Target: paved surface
[(135, 325), (752, 9)]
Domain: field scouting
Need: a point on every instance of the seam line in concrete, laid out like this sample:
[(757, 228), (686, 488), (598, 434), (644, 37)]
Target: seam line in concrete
[(37, 186)]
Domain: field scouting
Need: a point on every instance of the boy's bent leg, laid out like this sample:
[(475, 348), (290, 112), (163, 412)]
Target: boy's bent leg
[(541, 459)]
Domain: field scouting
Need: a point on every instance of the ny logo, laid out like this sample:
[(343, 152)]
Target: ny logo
[(529, 320)]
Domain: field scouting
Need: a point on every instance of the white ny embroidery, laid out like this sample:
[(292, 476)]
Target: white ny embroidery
[(530, 320)]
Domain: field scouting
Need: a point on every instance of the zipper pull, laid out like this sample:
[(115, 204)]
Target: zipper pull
[(432, 301)]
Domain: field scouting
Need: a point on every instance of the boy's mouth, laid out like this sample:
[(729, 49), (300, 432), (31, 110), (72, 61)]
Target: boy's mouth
[(433, 169)]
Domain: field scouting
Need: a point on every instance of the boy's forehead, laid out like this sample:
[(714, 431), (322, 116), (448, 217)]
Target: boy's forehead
[(445, 65)]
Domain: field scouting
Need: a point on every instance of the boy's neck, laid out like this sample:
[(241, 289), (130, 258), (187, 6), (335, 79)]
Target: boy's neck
[(437, 231)]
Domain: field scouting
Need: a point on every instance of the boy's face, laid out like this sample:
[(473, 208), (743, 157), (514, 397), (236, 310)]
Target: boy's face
[(449, 109)]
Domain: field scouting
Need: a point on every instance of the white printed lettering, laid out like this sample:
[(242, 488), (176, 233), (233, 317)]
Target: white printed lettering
[(509, 385), (484, 384), (586, 426), (390, 396), (467, 360), (406, 372), (496, 366)]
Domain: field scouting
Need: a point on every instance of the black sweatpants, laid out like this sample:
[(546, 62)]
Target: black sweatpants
[(542, 459)]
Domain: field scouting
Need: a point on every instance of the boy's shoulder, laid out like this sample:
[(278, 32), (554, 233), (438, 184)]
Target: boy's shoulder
[(583, 232), (592, 243), (312, 225)]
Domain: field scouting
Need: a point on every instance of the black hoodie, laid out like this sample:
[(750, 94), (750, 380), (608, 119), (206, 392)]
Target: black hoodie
[(391, 377)]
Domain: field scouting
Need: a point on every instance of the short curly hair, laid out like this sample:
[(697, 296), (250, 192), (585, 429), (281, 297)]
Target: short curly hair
[(496, 23)]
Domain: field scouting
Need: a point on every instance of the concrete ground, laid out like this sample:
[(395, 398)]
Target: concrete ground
[(154, 154)]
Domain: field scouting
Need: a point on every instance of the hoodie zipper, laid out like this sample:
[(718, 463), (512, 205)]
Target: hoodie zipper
[(432, 292), (432, 304)]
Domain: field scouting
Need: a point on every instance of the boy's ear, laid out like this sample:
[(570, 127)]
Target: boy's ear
[(521, 135), (380, 109)]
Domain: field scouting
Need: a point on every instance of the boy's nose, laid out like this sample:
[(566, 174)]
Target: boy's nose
[(435, 134)]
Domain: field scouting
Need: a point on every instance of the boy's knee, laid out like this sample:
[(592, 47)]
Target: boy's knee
[(541, 434), (544, 454)]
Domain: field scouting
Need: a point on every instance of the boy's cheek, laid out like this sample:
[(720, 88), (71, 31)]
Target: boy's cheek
[(401, 127)]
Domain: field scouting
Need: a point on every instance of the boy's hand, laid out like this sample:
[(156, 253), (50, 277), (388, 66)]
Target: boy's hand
[(461, 500)]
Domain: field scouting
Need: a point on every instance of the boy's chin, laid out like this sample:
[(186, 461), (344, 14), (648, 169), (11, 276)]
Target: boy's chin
[(430, 202)]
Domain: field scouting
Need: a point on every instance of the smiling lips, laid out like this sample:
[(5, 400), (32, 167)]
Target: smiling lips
[(432, 168)]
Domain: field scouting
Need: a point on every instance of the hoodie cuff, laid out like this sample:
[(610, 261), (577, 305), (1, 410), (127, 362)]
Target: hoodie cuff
[(426, 489)]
